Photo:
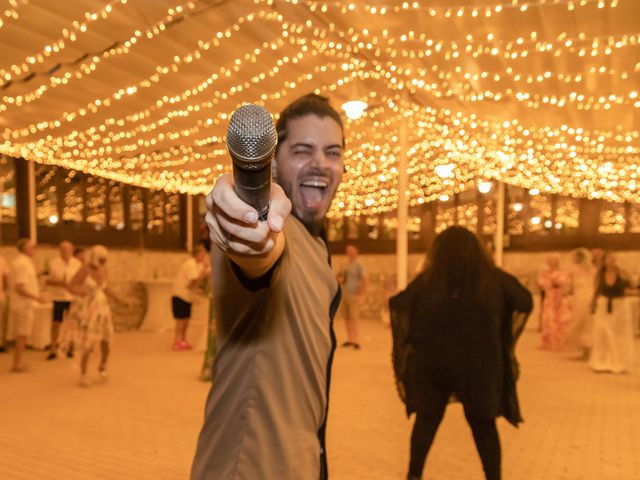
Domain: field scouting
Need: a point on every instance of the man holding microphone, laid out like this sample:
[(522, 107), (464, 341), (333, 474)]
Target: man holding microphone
[(275, 296)]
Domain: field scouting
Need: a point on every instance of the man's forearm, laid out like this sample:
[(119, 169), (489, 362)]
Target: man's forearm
[(22, 291), (256, 266)]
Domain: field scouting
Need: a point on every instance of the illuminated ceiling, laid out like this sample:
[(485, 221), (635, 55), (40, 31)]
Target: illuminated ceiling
[(541, 94)]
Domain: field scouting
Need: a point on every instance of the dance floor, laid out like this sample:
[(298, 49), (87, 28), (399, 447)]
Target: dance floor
[(143, 423)]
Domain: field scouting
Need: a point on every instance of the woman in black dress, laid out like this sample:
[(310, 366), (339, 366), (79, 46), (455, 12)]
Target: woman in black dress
[(454, 330), (613, 337)]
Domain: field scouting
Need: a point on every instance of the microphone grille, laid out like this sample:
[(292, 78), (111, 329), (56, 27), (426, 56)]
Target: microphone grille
[(251, 136)]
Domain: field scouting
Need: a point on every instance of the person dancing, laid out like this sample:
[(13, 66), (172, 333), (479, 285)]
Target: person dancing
[(454, 331), (96, 320)]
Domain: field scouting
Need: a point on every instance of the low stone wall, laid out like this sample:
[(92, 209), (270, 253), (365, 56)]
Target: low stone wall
[(128, 268)]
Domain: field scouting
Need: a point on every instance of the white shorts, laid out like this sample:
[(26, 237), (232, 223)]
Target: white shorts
[(22, 322)]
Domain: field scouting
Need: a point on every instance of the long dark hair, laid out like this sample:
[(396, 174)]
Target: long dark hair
[(603, 269), (457, 265)]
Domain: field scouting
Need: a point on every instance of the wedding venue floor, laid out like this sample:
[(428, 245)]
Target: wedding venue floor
[(143, 422)]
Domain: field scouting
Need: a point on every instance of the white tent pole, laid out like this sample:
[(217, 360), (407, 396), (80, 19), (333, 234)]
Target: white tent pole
[(402, 243), (189, 223), (499, 236), (33, 225)]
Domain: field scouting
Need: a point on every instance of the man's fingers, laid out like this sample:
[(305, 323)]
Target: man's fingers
[(255, 232), (216, 235), (208, 200), (225, 198), (279, 208), (249, 248), (233, 224)]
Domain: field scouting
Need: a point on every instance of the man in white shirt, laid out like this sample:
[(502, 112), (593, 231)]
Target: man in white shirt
[(191, 273), (61, 270), (4, 286), (25, 293)]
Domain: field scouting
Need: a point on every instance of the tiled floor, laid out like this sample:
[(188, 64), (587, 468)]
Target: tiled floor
[(142, 424)]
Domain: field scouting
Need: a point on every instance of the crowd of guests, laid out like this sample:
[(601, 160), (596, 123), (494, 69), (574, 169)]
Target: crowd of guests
[(583, 309), (76, 282)]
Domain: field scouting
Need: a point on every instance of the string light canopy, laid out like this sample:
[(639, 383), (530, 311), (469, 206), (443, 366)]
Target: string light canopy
[(541, 94)]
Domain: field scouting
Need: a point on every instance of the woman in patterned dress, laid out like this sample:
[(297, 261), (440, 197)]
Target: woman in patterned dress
[(95, 322), (556, 306)]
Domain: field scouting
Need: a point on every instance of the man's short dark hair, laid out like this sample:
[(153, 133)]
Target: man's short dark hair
[(20, 244), (204, 243), (308, 104)]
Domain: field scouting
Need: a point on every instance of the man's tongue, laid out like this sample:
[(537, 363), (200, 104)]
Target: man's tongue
[(311, 196)]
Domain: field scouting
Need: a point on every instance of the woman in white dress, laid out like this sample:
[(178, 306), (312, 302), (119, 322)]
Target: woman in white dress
[(95, 322), (612, 349), (581, 275)]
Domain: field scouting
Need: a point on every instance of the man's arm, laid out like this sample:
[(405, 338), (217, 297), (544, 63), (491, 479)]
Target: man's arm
[(23, 291), (204, 273), (253, 246), (55, 283), (363, 281)]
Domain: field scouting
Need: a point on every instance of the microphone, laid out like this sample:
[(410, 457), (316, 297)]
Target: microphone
[(251, 140)]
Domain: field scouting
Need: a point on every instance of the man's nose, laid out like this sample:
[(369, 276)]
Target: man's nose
[(319, 160)]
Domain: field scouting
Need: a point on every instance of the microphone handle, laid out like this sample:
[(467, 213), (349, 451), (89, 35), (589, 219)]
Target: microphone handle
[(253, 186)]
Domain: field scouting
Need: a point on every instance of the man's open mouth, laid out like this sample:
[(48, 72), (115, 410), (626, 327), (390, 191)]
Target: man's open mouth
[(313, 192)]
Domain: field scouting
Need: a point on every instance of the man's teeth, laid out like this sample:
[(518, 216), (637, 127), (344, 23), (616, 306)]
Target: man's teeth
[(315, 183)]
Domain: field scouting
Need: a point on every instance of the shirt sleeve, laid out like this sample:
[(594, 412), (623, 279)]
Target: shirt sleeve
[(192, 271), (255, 284)]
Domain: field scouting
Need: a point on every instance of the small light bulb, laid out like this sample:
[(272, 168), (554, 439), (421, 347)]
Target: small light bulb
[(354, 108), (444, 171), (485, 187)]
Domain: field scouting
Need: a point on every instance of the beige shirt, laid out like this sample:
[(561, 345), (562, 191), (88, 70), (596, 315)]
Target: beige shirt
[(23, 272), (62, 271), (188, 272), (269, 396)]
